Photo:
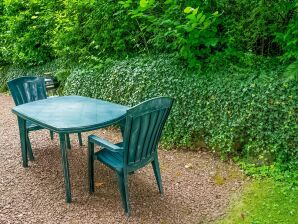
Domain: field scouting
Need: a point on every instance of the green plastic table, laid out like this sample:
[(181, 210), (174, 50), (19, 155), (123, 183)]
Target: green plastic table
[(64, 115)]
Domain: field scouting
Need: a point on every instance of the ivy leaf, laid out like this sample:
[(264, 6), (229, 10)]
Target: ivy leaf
[(211, 42)]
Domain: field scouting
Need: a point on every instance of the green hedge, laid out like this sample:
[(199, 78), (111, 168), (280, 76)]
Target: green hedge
[(56, 68), (246, 113)]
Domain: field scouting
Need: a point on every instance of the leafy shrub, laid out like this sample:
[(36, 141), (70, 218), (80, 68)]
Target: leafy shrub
[(289, 39), (169, 25), (53, 69), (93, 28), (252, 114), (291, 71), (35, 32), (28, 31), (2, 30), (275, 171), (253, 25)]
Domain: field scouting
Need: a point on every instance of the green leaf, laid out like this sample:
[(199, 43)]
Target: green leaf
[(188, 10), (195, 11), (211, 42), (200, 15), (202, 19), (144, 3), (215, 13), (191, 17)]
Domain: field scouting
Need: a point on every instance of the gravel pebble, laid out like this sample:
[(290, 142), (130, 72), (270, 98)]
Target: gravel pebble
[(36, 194)]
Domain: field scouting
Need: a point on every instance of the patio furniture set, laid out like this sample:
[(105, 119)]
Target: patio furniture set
[(141, 128)]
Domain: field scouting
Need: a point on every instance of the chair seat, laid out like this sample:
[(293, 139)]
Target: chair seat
[(114, 160), (32, 127)]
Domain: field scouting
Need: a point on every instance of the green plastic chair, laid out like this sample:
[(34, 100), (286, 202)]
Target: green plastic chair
[(29, 89), (143, 127)]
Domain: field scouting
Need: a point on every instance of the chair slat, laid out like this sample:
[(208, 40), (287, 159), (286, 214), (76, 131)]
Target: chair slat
[(133, 139), (153, 118), (27, 89), (152, 138), (142, 137), (164, 116)]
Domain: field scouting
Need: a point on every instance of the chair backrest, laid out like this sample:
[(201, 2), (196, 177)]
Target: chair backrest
[(144, 124), (27, 89)]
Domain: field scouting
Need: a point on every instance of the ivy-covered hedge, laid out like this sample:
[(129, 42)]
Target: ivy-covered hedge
[(251, 114), (50, 69)]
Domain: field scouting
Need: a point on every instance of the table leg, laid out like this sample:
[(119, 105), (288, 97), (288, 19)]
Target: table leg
[(80, 138), (29, 148), (65, 167), (22, 129), (68, 141), (52, 135)]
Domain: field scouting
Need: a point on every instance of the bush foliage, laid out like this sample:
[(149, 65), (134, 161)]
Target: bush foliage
[(248, 113), (34, 32)]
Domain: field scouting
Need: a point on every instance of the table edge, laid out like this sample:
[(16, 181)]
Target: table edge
[(71, 130)]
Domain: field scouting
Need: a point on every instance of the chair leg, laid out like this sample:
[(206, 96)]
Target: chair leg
[(123, 188), (155, 165), (91, 166), (68, 141), (80, 139), (29, 148), (23, 139), (52, 135)]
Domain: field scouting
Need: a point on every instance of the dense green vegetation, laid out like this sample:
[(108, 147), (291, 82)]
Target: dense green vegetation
[(34, 32), (230, 65), (249, 113)]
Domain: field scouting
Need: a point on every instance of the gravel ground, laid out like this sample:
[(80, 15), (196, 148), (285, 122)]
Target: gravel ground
[(197, 185)]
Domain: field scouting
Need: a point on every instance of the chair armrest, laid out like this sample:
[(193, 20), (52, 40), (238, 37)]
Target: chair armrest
[(104, 143)]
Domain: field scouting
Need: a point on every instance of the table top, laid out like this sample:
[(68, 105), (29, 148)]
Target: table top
[(69, 114)]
